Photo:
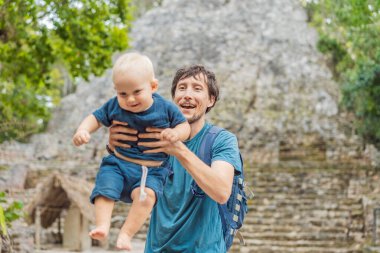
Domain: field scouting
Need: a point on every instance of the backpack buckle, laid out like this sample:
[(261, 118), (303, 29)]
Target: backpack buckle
[(196, 193)]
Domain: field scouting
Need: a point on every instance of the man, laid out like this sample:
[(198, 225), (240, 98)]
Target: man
[(181, 222)]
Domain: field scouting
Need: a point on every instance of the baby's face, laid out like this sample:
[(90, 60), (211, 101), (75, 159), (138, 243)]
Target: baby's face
[(134, 93)]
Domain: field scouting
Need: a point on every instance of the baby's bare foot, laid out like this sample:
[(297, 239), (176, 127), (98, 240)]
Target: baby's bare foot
[(99, 233), (124, 242)]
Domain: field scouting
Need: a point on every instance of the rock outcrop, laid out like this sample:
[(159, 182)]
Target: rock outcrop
[(277, 93)]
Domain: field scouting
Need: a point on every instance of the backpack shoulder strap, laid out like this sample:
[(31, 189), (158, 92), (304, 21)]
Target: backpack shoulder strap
[(204, 153)]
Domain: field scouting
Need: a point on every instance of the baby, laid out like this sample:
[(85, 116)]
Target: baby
[(120, 174)]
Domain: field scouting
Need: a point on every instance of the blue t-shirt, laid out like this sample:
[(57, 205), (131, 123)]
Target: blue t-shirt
[(181, 222), (162, 114)]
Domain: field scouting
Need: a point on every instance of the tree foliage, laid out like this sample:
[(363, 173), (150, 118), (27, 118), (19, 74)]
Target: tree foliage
[(46, 45), (349, 34), (12, 212)]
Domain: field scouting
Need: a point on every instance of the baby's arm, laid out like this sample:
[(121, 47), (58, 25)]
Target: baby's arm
[(180, 132), (89, 125)]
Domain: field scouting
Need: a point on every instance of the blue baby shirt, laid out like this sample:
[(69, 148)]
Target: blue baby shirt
[(162, 114)]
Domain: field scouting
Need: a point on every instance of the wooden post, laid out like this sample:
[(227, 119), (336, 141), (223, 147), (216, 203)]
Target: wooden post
[(38, 228), (59, 228), (376, 212)]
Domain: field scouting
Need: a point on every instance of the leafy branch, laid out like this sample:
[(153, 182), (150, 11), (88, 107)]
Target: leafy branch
[(45, 43), (12, 212), (349, 36)]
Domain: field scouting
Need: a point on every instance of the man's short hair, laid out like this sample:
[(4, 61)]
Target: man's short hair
[(195, 71)]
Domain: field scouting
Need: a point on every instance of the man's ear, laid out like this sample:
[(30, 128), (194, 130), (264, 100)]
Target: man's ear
[(211, 101), (154, 85)]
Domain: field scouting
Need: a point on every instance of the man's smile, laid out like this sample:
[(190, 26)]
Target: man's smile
[(187, 105)]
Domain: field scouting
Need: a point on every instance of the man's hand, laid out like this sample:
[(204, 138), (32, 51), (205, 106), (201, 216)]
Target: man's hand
[(120, 132), (81, 137), (161, 145), (169, 134)]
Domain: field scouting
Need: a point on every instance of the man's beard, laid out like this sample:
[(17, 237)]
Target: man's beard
[(195, 118)]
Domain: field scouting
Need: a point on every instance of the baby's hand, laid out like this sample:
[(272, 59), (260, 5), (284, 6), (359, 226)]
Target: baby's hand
[(169, 134), (81, 137)]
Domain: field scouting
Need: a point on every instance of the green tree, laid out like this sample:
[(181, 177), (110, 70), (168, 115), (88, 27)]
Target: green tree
[(349, 34), (44, 43), (12, 212)]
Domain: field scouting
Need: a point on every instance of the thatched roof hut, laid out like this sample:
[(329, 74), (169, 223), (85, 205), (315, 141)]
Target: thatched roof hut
[(57, 193)]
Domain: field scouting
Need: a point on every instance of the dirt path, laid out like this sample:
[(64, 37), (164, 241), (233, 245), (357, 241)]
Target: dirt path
[(138, 247)]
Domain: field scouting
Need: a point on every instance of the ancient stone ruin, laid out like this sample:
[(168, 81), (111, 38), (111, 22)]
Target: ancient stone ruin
[(277, 95), (277, 92)]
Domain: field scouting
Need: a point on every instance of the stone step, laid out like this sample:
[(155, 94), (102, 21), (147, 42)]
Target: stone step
[(304, 223), (263, 204), (304, 249), (296, 200), (275, 212), (325, 208), (293, 183), (283, 212), (303, 217), (300, 235), (322, 207), (262, 225), (309, 210), (260, 193), (298, 243), (272, 222), (298, 190), (302, 199), (306, 197), (291, 229)]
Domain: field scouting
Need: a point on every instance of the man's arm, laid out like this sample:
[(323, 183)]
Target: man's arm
[(215, 181)]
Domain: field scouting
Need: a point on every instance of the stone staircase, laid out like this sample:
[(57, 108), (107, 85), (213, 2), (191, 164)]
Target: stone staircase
[(294, 210), (300, 210)]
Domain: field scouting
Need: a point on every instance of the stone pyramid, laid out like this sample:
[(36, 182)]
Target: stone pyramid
[(277, 93)]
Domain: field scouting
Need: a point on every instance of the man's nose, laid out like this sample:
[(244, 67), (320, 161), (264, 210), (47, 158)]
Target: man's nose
[(188, 94)]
